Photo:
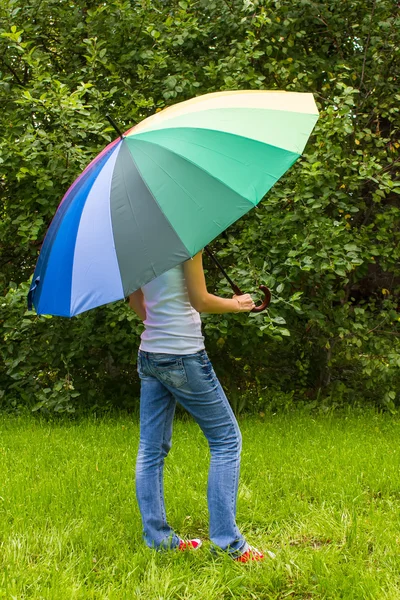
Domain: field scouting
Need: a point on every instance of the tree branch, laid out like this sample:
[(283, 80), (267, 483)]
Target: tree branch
[(9, 67)]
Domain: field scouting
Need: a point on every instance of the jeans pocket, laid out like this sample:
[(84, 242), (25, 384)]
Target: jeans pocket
[(171, 372)]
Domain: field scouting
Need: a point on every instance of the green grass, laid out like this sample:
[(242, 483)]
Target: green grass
[(322, 493)]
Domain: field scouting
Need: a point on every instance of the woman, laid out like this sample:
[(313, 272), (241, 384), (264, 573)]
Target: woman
[(173, 367)]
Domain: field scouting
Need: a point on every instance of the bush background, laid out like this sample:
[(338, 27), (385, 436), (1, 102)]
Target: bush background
[(325, 239)]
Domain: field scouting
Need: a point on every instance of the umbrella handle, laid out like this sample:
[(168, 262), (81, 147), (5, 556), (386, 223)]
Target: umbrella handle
[(265, 302)]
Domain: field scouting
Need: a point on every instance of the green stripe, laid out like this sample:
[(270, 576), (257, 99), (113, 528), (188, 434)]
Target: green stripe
[(197, 205), (287, 130), (249, 167)]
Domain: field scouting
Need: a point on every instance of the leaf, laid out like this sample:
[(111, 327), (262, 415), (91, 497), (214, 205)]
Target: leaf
[(296, 296), (279, 320), (352, 248)]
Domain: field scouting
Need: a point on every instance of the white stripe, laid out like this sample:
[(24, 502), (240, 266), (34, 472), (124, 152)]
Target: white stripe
[(96, 278)]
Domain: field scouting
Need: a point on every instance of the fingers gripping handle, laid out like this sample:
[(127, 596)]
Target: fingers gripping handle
[(264, 304)]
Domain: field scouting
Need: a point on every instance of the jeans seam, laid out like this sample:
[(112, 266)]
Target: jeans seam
[(160, 474), (235, 489)]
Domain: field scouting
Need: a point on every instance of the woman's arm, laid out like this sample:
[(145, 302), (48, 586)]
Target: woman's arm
[(136, 302), (199, 297)]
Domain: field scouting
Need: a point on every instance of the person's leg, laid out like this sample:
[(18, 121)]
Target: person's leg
[(157, 408), (193, 382)]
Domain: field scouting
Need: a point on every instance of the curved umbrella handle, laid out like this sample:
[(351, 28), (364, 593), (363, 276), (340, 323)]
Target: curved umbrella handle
[(265, 302)]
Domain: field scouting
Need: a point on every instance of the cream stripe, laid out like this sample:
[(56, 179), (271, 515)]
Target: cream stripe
[(271, 100)]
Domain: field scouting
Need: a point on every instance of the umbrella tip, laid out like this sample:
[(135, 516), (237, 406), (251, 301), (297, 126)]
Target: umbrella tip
[(114, 125)]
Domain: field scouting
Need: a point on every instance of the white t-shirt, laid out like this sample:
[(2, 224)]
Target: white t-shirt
[(172, 325)]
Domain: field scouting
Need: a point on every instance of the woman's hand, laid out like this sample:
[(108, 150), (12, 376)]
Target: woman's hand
[(245, 302)]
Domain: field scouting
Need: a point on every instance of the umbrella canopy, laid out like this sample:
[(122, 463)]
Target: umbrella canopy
[(158, 194)]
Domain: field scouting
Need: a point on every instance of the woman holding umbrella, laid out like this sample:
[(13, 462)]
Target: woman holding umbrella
[(173, 367), (132, 220)]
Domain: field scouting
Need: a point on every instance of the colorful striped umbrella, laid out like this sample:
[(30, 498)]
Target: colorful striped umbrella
[(158, 194)]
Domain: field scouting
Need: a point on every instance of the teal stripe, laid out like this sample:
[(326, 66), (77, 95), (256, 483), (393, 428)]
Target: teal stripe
[(248, 167), (197, 205)]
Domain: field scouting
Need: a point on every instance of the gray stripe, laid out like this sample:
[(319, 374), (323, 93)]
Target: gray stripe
[(145, 243)]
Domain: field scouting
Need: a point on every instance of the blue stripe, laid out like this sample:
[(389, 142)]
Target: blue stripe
[(54, 267)]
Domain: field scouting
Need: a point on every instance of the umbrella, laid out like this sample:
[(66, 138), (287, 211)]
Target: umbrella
[(162, 191)]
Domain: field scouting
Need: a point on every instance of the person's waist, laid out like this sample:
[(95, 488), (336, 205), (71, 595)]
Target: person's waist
[(158, 355), (172, 344)]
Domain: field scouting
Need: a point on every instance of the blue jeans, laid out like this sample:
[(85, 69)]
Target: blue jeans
[(191, 381)]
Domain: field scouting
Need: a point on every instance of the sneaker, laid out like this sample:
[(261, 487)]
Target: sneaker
[(189, 544), (251, 554)]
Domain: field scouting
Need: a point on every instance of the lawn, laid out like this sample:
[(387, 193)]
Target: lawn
[(322, 493)]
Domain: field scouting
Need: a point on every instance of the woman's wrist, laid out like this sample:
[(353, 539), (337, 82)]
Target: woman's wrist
[(238, 306)]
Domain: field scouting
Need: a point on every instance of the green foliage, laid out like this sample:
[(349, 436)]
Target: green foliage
[(325, 239), (61, 365)]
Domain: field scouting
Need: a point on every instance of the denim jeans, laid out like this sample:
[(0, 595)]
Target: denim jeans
[(191, 381)]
